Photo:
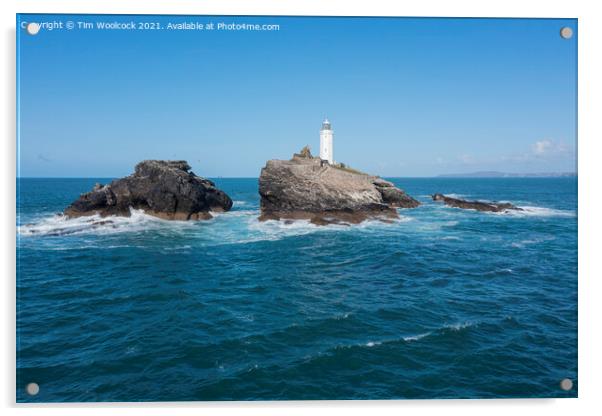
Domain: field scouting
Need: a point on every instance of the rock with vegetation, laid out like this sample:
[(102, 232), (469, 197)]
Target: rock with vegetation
[(308, 187), (164, 189), (477, 205)]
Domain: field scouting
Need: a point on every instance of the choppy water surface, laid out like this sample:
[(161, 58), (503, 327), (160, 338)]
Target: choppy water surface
[(442, 303)]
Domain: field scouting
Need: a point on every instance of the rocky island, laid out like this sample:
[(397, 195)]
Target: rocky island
[(164, 189), (311, 188), (477, 205)]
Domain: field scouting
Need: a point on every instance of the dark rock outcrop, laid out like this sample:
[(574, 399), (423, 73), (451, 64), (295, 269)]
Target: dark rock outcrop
[(307, 187), (394, 196), (478, 205), (165, 189)]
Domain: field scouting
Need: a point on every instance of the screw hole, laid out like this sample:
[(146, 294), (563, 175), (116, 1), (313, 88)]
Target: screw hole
[(566, 32), (32, 389)]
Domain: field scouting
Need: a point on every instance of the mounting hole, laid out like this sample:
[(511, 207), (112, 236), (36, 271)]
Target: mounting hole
[(566, 384), (32, 389), (33, 28), (566, 32)]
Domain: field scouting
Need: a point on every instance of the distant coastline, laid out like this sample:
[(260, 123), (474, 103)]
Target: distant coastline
[(494, 174)]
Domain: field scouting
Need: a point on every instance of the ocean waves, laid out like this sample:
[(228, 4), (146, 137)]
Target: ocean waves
[(243, 226), (236, 309), (533, 211), (235, 227), (57, 225), (427, 358)]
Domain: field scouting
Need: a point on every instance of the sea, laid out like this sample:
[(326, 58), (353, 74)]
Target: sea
[(440, 303)]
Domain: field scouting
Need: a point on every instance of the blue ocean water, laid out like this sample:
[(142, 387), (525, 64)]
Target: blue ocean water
[(443, 303)]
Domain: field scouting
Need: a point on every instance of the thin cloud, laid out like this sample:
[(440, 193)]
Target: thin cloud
[(544, 149), (547, 147)]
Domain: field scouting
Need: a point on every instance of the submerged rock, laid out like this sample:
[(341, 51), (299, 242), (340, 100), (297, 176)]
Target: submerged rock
[(164, 189), (307, 187), (478, 205)]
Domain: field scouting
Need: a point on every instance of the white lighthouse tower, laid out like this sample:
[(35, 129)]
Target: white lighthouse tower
[(326, 146)]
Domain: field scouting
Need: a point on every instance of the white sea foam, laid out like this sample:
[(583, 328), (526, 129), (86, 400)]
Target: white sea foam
[(234, 213), (449, 237), (456, 196), (450, 223), (530, 241), (245, 317), (232, 227), (525, 211), (177, 249), (430, 196), (532, 211), (416, 337), (243, 226), (276, 230), (409, 338), (430, 226), (59, 225), (460, 325)]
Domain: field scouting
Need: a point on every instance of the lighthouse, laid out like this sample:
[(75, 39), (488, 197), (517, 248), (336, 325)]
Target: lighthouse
[(326, 146)]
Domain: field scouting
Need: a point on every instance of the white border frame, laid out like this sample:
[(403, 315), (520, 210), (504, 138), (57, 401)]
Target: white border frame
[(590, 272)]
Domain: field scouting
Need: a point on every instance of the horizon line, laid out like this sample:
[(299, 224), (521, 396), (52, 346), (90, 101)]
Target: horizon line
[(438, 176)]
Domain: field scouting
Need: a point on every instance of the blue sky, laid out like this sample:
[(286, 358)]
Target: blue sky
[(406, 96)]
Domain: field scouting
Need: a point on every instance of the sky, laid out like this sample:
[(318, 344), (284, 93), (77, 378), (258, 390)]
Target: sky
[(406, 96)]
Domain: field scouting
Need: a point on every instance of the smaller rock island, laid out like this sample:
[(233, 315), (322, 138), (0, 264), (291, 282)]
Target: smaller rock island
[(162, 188), (477, 205), (308, 187)]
